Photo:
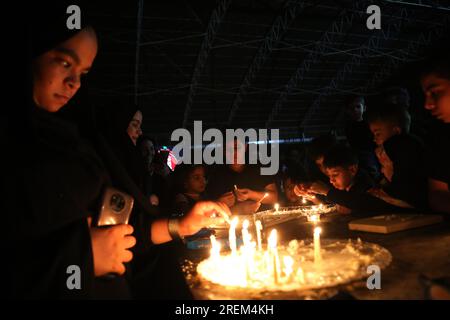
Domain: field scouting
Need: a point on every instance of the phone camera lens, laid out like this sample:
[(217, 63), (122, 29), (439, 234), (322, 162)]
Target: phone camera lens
[(117, 202)]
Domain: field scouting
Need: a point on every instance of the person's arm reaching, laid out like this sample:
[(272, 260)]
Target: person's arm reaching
[(199, 216)]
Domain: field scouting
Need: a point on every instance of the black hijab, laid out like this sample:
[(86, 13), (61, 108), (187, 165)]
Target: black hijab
[(113, 121)]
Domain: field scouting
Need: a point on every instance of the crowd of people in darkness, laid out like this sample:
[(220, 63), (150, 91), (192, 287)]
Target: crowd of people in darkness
[(387, 160)]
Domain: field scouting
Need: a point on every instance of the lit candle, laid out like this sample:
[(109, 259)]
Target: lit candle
[(232, 235), (314, 218), (273, 248), (317, 256), (303, 200), (215, 248), (277, 206), (288, 267), (245, 234), (300, 275), (258, 226)]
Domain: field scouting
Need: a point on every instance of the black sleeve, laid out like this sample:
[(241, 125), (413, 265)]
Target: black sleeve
[(359, 203)]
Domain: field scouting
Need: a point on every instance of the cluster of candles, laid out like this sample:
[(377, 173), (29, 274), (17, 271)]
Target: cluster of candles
[(251, 253)]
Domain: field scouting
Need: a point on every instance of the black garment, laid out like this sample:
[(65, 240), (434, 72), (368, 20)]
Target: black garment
[(223, 180), (154, 272), (57, 182), (362, 204), (408, 182), (360, 139), (113, 123), (438, 153), (182, 204)]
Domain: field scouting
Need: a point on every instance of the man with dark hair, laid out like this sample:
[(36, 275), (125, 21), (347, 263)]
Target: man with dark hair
[(435, 80)]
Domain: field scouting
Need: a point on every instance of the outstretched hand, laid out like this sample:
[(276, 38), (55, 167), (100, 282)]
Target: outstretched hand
[(203, 214)]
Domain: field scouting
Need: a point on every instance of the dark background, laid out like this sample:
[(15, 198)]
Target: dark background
[(257, 63)]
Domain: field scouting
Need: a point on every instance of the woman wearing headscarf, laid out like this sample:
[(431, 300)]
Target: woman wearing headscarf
[(54, 195)]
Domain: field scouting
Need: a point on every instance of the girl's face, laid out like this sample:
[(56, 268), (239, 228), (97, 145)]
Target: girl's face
[(57, 73), (437, 96), (196, 182), (134, 128)]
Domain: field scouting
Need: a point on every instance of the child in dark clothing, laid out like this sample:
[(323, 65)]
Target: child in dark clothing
[(190, 181), (341, 165), (290, 179)]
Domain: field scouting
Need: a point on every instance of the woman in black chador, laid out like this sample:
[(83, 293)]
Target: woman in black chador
[(55, 180)]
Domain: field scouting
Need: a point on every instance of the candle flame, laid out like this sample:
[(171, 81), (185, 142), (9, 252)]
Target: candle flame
[(314, 218), (277, 206), (317, 231)]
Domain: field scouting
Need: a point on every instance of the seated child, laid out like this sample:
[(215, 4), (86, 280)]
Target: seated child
[(190, 183), (341, 165), (290, 179), (352, 190)]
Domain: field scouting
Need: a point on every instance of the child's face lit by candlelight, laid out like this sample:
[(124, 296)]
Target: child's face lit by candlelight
[(196, 182), (342, 177)]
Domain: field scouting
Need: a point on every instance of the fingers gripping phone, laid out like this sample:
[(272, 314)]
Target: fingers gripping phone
[(116, 208)]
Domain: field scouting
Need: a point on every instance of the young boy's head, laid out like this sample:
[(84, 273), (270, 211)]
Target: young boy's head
[(435, 80), (388, 120), (318, 147), (341, 165)]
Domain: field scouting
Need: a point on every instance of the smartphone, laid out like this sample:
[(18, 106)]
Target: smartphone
[(116, 208)]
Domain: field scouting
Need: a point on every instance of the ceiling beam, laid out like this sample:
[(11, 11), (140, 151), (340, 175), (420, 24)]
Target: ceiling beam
[(279, 27), (213, 26)]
